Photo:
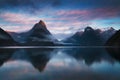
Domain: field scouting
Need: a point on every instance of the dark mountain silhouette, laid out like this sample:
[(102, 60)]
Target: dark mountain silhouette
[(114, 40), (38, 35), (6, 39), (107, 34), (89, 37)]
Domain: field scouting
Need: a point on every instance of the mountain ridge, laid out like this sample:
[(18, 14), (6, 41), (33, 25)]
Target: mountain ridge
[(40, 35), (90, 37)]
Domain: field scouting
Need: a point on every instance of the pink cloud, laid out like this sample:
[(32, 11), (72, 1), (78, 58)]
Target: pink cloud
[(72, 12), (18, 18), (100, 13), (104, 13), (15, 28)]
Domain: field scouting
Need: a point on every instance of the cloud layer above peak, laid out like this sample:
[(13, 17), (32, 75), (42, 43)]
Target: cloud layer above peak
[(60, 16)]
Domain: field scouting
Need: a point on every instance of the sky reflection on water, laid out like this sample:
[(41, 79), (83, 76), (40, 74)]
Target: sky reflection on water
[(59, 64)]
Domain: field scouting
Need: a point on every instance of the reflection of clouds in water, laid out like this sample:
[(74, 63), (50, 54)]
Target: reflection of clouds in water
[(17, 70), (20, 70), (61, 67), (65, 67), (63, 61)]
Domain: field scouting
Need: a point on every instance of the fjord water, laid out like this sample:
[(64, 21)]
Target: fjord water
[(59, 63)]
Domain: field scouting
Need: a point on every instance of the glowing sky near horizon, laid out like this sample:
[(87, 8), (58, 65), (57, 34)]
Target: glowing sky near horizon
[(62, 17)]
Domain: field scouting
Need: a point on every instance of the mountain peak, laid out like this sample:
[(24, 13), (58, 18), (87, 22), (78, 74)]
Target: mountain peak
[(42, 23), (1, 29), (111, 28), (39, 25), (88, 28)]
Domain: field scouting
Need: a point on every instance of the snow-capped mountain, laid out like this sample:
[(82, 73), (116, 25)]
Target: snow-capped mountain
[(90, 37)]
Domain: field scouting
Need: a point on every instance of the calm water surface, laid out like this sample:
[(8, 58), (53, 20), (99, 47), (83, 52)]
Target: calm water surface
[(59, 64)]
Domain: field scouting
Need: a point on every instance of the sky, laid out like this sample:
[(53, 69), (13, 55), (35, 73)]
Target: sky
[(62, 17)]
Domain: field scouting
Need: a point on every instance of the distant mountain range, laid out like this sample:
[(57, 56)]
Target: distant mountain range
[(40, 35), (90, 37)]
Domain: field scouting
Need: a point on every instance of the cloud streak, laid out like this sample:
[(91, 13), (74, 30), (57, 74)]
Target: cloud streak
[(18, 18), (98, 13)]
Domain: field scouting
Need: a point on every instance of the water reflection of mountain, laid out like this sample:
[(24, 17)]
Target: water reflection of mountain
[(5, 55), (89, 55), (37, 57), (40, 57), (114, 52)]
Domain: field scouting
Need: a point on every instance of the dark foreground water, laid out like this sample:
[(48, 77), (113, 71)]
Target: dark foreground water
[(59, 64)]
